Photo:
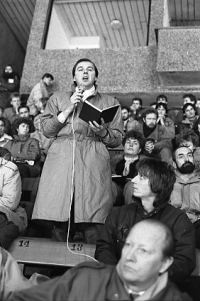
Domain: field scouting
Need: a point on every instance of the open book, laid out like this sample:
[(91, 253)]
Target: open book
[(91, 113)]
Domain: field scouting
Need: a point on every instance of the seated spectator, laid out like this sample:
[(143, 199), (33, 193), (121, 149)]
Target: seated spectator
[(186, 192), (12, 113), (191, 140), (152, 188), (9, 83), (4, 138), (161, 98), (141, 274), (125, 116), (133, 143), (40, 91), (164, 120), (136, 108), (24, 150), (158, 139), (24, 112), (11, 277), (44, 142), (190, 113), (13, 219)]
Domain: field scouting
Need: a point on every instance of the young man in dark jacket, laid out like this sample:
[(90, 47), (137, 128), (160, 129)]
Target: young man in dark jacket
[(152, 188)]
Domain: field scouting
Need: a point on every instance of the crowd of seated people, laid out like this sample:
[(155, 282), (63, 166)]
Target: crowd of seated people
[(156, 177)]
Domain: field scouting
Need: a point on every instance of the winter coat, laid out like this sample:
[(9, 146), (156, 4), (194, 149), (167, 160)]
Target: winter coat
[(92, 189), (4, 139), (37, 94), (11, 277), (121, 220), (10, 194), (186, 194), (94, 281), (10, 114), (160, 135), (185, 125)]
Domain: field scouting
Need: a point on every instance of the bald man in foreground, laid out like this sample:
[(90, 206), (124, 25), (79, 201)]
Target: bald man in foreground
[(141, 273)]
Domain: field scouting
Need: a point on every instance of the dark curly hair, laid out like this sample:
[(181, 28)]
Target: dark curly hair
[(134, 135)]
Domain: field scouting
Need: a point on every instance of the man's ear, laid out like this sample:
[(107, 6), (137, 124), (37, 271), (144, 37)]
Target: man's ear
[(139, 151), (174, 165), (143, 119), (167, 262)]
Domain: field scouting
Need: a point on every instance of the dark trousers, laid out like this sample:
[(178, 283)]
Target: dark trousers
[(8, 231)]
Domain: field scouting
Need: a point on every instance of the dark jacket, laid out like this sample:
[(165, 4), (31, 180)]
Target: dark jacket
[(92, 282), (121, 220)]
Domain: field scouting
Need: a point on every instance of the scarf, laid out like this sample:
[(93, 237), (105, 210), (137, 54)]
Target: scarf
[(87, 93), (128, 161)]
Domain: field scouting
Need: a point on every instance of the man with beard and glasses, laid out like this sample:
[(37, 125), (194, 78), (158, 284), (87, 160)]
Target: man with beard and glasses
[(158, 139), (186, 192), (9, 83)]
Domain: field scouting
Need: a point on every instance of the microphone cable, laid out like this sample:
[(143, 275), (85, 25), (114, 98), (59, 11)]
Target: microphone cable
[(72, 184)]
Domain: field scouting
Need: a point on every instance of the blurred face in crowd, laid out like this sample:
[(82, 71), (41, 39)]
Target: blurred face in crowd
[(2, 128), (135, 105), (150, 120), (48, 81), (161, 111), (190, 112), (142, 259), (187, 100), (125, 114), (162, 99), (85, 75), (198, 103), (132, 147), (16, 102), (24, 112), (23, 129), (8, 69), (184, 160)]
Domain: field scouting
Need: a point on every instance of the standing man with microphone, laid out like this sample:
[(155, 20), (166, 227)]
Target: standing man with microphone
[(77, 168)]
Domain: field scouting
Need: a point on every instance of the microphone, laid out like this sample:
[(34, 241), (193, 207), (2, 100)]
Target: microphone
[(81, 89)]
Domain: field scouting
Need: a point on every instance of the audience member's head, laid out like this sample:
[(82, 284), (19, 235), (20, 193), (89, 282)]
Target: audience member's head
[(21, 126), (189, 110), (125, 113), (136, 104), (189, 98), (155, 180), (15, 100), (133, 143), (8, 72), (24, 111), (4, 153), (147, 254), (78, 67), (188, 138), (161, 98), (161, 107), (2, 126), (198, 103), (153, 104), (183, 160), (48, 79), (150, 117)]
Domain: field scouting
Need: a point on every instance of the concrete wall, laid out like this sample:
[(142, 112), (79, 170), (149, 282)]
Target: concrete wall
[(121, 71), (10, 50)]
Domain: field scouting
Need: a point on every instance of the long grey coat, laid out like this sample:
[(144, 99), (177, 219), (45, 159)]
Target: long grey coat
[(91, 187)]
